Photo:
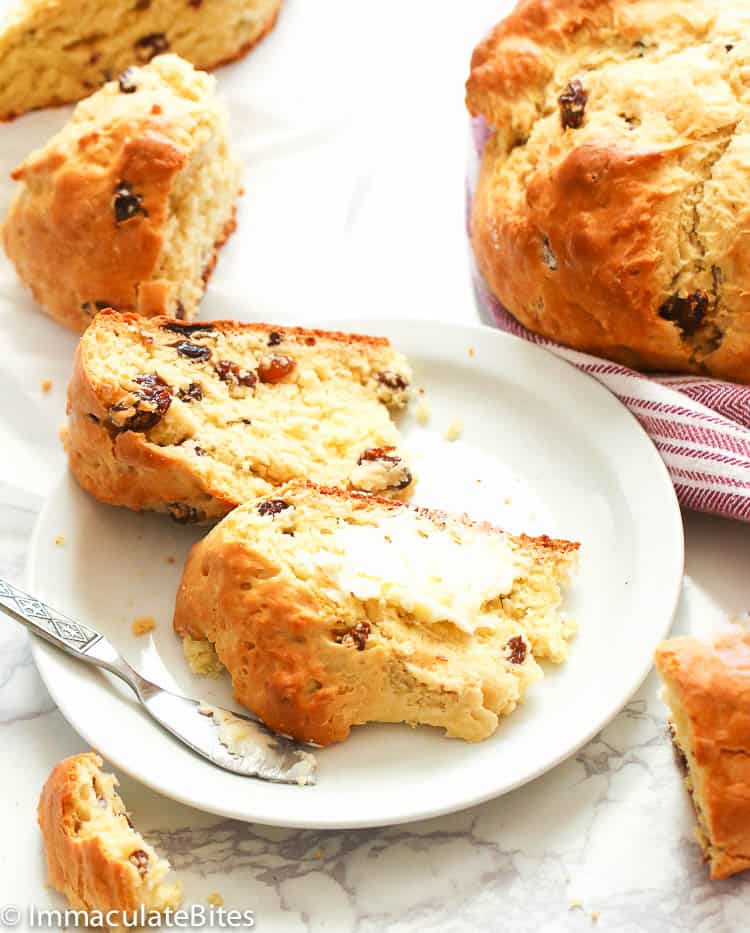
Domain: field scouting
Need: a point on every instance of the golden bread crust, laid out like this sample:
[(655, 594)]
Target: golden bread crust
[(612, 222), (283, 646), (133, 469), (709, 687)]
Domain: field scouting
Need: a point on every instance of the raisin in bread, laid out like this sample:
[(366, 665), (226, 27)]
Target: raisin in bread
[(56, 51), (333, 608), (707, 690), (127, 205), (193, 419), (94, 856), (611, 213)]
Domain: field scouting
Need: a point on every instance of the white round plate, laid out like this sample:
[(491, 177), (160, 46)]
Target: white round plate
[(544, 449)]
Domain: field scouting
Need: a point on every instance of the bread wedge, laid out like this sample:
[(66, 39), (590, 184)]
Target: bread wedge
[(127, 206), (707, 690), (94, 855), (195, 419), (333, 608), (57, 51)]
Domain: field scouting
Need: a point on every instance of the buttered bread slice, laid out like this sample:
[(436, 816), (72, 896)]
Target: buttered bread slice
[(194, 419), (332, 608)]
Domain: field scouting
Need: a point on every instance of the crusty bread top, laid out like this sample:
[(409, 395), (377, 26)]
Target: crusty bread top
[(708, 689), (612, 204)]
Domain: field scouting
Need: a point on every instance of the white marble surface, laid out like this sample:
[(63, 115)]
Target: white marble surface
[(604, 837)]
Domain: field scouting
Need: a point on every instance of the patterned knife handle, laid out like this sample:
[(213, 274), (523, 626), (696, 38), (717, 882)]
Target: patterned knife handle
[(63, 632)]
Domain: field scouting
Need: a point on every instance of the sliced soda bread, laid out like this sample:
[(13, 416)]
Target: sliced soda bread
[(94, 856), (55, 51), (128, 204), (707, 690), (193, 419), (333, 608)]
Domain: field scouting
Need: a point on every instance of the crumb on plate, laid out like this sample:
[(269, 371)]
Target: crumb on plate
[(46, 385), (59, 540), (471, 351), (143, 624), (422, 412), (454, 429), (215, 899), (170, 558)]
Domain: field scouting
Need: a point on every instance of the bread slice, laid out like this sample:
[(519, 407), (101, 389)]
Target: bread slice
[(94, 855), (332, 608), (707, 690), (127, 205), (57, 51), (195, 419)]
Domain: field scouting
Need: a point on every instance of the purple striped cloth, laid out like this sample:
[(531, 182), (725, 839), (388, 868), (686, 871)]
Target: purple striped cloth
[(701, 427)]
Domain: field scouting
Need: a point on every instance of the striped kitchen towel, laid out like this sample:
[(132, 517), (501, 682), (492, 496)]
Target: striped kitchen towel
[(701, 427)]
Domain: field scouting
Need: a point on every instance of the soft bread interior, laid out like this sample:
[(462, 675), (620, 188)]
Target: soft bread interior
[(100, 813), (199, 219), (459, 627), (241, 423), (57, 52)]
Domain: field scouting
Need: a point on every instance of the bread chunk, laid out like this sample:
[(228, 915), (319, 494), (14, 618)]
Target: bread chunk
[(58, 51), (332, 608), (194, 419), (94, 855), (707, 690), (128, 204)]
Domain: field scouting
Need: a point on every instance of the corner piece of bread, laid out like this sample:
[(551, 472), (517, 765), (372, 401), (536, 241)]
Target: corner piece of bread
[(707, 690), (194, 419), (58, 51), (332, 608), (128, 204), (94, 856)]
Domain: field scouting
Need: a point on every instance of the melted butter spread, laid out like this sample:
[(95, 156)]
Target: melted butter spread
[(437, 575)]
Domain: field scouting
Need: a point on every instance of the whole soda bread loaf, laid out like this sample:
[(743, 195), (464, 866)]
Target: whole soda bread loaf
[(127, 205), (56, 51), (333, 608), (94, 855), (707, 690), (193, 419), (613, 203)]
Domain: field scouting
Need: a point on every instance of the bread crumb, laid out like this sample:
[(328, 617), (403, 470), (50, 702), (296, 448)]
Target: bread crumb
[(170, 559), (422, 412), (59, 540), (508, 501), (215, 899), (46, 385), (471, 351), (594, 916), (143, 624), (575, 905), (454, 429)]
